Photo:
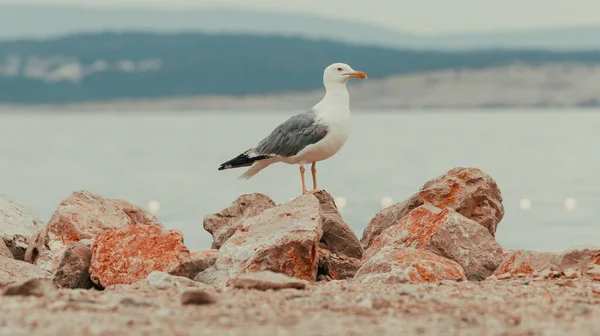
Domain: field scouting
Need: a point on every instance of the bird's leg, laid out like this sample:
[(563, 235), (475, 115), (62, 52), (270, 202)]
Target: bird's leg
[(313, 169), (302, 177)]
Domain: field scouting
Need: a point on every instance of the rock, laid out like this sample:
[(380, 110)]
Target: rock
[(392, 265), (17, 225), (31, 287), (5, 251), (593, 272), (383, 219), (162, 280), (283, 239), (469, 191), (198, 262), (196, 297), (12, 271), (81, 216), (265, 280), (34, 248), (226, 222), (526, 262), (447, 234), (338, 237), (158, 280), (570, 273), (577, 259), (74, 268), (571, 263), (124, 256), (337, 267)]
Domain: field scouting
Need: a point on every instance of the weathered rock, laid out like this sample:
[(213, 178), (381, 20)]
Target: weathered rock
[(124, 256), (338, 237), (337, 267), (34, 247), (525, 262), (74, 269), (385, 218), (196, 297), (80, 217), (579, 259), (5, 251), (226, 222), (162, 280), (265, 280), (283, 239), (158, 280), (17, 225), (12, 271), (31, 287), (469, 191), (447, 234), (593, 271), (198, 262), (569, 263), (393, 264)]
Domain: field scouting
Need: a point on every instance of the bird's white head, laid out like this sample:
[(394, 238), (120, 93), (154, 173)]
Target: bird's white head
[(340, 73)]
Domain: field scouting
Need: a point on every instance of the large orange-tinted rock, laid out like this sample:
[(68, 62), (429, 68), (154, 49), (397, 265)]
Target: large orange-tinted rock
[(337, 266), (226, 222), (17, 225), (338, 237), (401, 265), (577, 260), (469, 191), (283, 239), (13, 271), (80, 217), (447, 234), (124, 256)]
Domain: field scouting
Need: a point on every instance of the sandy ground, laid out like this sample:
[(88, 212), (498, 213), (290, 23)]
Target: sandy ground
[(498, 307)]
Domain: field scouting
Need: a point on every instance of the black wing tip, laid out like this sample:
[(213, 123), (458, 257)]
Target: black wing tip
[(241, 160)]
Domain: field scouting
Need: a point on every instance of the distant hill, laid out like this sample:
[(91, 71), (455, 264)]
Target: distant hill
[(53, 21), (109, 66), (572, 86)]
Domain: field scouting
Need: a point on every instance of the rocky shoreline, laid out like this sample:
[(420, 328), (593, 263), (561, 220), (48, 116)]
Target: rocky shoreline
[(425, 266)]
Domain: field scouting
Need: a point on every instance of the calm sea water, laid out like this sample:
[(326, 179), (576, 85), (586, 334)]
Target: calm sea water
[(172, 157)]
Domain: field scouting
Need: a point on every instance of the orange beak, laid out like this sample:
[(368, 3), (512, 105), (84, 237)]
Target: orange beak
[(357, 74)]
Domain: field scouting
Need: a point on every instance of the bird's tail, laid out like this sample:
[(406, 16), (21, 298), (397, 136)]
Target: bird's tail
[(242, 160), (256, 167)]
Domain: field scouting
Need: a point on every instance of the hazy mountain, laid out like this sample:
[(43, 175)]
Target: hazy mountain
[(513, 86), (52, 21), (110, 66), (45, 21)]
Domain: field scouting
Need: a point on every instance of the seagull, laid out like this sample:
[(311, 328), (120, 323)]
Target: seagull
[(308, 137)]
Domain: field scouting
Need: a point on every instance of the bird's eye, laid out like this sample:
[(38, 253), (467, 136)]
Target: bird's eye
[(339, 69)]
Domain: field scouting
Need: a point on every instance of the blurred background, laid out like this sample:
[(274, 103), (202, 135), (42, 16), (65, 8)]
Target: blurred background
[(142, 100)]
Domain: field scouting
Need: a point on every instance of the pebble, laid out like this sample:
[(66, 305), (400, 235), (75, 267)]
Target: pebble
[(504, 276), (32, 287), (196, 297), (570, 273)]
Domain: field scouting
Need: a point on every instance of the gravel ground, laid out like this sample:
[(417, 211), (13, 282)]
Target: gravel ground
[(492, 307)]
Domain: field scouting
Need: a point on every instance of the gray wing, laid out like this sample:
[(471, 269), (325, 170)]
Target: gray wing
[(289, 138)]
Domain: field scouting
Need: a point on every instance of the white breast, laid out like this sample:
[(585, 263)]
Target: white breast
[(338, 130)]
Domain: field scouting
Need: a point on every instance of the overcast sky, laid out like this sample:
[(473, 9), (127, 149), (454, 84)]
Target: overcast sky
[(423, 16)]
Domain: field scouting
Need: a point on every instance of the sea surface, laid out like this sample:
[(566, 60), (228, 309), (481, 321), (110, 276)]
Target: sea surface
[(546, 163)]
